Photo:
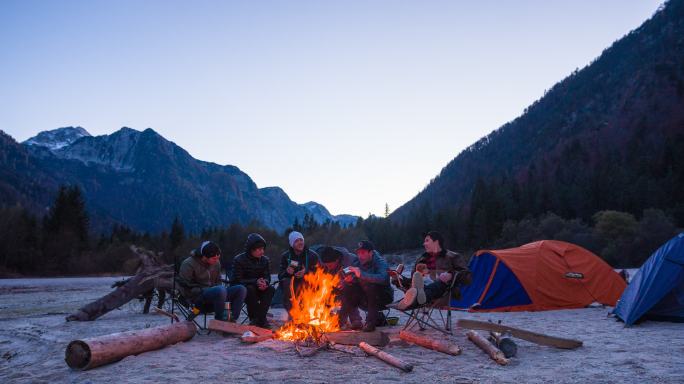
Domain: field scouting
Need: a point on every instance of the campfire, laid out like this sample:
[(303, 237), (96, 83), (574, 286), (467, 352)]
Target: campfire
[(312, 310)]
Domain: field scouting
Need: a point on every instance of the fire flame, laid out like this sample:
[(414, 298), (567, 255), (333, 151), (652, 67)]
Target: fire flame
[(312, 309)]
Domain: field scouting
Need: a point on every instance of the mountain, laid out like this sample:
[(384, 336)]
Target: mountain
[(138, 179), (609, 136), (321, 215), (57, 138)]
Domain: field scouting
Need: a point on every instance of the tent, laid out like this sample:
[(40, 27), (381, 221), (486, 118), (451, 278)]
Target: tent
[(539, 276), (656, 291)]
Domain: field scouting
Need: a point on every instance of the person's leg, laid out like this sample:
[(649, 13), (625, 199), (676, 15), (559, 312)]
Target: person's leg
[(351, 295), (287, 294), (215, 299), (265, 298), (236, 296), (435, 290), (371, 293), (252, 300)]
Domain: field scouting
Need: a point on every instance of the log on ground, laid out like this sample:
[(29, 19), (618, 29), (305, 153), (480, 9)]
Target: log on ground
[(237, 329), (386, 357), (488, 347), (96, 351), (537, 338), (426, 342), (376, 338)]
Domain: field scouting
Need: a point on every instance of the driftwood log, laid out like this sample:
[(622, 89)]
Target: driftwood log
[(426, 342), (488, 347), (151, 274), (537, 338), (94, 352), (386, 357)]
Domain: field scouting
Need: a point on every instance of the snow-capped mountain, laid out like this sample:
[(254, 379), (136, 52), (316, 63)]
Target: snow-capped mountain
[(57, 138)]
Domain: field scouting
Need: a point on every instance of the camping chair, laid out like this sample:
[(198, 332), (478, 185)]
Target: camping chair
[(422, 315)]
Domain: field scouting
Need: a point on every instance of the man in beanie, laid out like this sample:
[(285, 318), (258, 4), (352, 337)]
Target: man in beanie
[(439, 266), (199, 281), (252, 269), (297, 261), (366, 285)]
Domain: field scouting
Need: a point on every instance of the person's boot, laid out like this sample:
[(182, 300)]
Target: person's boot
[(356, 325), (418, 283), (369, 327), (381, 320)]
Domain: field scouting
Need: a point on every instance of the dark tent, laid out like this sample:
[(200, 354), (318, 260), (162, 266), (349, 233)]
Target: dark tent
[(657, 290)]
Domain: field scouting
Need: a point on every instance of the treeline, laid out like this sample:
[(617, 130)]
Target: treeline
[(60, 242)]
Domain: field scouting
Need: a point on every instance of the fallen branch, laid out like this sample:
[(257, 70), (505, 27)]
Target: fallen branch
[(537, 338), (437, 345), (96, 351), (488, 347), (386, 357), (251, 339), (309, 351)]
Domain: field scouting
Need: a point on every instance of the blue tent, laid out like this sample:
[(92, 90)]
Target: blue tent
[(657, 290)]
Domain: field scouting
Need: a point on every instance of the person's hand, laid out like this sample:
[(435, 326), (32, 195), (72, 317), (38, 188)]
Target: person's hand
[(261, 284), (349, 279), (300, 274), (289, 270), (356, 271), (445, 277)]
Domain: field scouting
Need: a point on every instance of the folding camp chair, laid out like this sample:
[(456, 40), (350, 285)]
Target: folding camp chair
[(422, 315), (190, 312)]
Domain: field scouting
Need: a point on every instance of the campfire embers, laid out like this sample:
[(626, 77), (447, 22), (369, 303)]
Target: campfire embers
[(312, 311)]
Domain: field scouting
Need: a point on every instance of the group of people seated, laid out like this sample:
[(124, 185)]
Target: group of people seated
[(365, 279)]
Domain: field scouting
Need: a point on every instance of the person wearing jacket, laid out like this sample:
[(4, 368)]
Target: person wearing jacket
[(252, 269), (366, 285), (297, 261), (199, 281), (437, 264), (334, 260)]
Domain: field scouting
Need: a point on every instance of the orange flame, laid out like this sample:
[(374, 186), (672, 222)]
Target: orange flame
[(312, 309)]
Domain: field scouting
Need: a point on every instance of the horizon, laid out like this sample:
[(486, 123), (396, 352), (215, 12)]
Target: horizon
[(393, 101)]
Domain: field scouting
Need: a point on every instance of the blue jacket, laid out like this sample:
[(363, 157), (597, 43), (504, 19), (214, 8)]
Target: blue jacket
[(375, 271)]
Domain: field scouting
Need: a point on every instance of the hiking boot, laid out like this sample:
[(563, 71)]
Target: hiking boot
[(356, 325), (408, 301), (381, 320), (369, 327), (418, 283)]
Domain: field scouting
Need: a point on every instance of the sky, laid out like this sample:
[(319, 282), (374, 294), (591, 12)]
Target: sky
[(352, 104)]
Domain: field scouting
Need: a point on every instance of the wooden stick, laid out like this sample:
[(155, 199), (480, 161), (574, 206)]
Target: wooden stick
[(309, 351), (165, 313), (534, 337), (437, 345), (235, 328), (488, 347), (386, 357), (255, 339), (93, 352)]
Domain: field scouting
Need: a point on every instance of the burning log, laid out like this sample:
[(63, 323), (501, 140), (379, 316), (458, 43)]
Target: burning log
[(94, 352), (251, 338), (237, 329), (151, 274), (376, 338), (386, 357), (488, 347), (437, 345)]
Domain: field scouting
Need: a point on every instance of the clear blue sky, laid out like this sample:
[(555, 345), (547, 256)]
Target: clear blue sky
[(353, 104)]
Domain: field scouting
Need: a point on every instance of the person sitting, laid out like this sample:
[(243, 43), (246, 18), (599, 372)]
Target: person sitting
[(297, 261), (334, 260), (438, 265), (366, 284), (252, 269), (200, 283)]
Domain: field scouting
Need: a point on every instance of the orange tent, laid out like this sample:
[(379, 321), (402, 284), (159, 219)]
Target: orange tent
[(539, 276)]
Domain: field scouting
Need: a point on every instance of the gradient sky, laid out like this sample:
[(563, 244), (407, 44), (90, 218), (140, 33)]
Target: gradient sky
[(352, 104)]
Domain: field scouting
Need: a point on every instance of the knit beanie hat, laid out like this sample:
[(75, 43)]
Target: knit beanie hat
[(293, 236)]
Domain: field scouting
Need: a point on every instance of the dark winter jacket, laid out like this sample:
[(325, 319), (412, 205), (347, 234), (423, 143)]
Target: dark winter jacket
[(194, 276), (308, 260), (247, 269)]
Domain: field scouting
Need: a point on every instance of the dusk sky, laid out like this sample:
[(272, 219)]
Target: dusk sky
[(352, 104)]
